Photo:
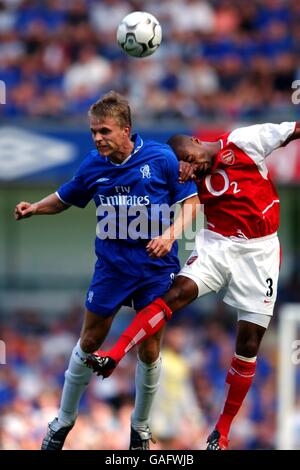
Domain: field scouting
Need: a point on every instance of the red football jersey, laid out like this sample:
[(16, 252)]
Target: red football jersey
[(239, 197)]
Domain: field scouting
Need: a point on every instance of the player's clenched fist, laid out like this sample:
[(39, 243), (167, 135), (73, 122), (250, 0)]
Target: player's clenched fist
[(24, 210)]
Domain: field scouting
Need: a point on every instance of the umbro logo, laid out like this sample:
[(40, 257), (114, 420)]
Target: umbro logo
[(102, 180), (24, 153)]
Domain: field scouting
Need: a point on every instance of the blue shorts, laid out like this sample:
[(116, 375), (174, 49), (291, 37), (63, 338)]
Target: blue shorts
[(110, 289)]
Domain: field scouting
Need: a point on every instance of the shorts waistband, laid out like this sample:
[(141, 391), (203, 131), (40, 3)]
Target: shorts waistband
[(252, 240), (212, 233)]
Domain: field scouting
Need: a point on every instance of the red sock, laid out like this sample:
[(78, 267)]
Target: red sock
[(239, 379), (146, 323)]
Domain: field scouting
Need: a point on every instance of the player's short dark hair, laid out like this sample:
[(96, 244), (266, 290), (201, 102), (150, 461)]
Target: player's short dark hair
[(112, 105), (179, 144)]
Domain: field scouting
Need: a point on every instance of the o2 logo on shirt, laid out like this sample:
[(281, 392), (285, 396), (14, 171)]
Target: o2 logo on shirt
[(226, 184), (145, 170)]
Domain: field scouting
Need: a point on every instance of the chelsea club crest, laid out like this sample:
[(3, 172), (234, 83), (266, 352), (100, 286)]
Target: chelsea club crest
[(145, 170)]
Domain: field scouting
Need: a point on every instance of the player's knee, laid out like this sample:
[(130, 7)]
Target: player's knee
[(177, 296), (248, 348), (249, 338)]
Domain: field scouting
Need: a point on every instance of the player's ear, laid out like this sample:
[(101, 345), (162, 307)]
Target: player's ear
[(195, 140), (127, 131)]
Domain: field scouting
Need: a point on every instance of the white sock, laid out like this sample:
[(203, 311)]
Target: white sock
[(246, 359), (146, 386), (77, 377)]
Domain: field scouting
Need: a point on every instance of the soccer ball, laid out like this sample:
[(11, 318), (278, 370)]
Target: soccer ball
[(139, 34)]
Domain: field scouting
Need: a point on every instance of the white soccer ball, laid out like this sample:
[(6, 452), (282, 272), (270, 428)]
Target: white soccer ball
[(139, 34)]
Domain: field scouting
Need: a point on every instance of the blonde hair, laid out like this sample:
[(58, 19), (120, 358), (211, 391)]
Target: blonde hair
[(112, 105)]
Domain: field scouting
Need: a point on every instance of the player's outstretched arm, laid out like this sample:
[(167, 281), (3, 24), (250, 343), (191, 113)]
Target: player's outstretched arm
[(49, 205)]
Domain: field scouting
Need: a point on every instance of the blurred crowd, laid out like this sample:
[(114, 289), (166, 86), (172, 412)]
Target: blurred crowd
[(196, 355), (219, 59)]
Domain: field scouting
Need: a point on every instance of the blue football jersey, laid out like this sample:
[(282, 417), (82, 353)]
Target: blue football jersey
[(133, 201)]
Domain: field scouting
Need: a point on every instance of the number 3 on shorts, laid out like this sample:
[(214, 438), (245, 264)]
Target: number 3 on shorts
[(269, 292)]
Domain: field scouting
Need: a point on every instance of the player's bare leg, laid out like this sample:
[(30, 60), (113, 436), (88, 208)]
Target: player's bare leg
[(239, 379), (147, 375), (94, 331), (77, 377), (249, 336)]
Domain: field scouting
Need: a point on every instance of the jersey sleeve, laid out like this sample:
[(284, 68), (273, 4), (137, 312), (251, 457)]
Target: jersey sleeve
[(260, 140), (74, 192), (179, 191)]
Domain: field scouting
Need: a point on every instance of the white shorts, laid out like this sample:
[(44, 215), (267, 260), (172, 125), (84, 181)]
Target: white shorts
[(248, 268)]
